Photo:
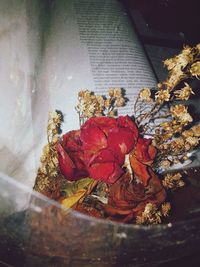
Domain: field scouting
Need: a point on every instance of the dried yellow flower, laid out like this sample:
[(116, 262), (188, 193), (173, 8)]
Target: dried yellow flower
[(162, 96), (180, 111), (53, 126), (145, 94), (198, 48), (91, 105), (184, 93), (188, 133), (150, 215), (111, 92), (165, 163), (170, 63), (42, 183), (173, 182), (178, 144), (166, 125), (193, 141), (120, 102), (165, 209), (186, 118), (107, 103), (117, 92), (196, 130), (195, 69)]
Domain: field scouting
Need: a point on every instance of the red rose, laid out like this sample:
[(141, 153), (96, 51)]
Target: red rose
[(127, 200), (98, 150)]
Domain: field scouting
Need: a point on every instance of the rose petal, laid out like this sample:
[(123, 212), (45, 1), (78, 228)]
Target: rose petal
[(108, 172), (144, 151), (104, 123), (72, 167), (102, 156), (71, 141), (66, 165), (93, 138), (121, 142), (127, 122), (140, 170)]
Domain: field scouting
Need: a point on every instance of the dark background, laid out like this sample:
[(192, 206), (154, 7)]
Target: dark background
[(177, 16)]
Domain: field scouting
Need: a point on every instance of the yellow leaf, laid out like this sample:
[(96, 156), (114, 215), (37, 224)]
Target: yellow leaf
[(77, 191), (72, 200), (72, 187)]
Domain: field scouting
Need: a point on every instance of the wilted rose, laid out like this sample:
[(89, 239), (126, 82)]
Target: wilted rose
[(98, 150), (127, 200)]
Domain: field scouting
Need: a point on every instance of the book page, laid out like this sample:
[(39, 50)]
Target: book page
[(92, 45)]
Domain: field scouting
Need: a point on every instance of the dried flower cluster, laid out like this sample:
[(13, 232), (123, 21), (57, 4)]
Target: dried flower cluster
[(153, 215), (173, 182), (49, 165), (177, 150), (164, 114), (91, 105)]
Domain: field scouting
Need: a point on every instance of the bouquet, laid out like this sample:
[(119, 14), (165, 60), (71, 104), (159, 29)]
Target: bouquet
[(115, 167)]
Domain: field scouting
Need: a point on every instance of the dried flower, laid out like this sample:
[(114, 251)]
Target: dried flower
[(186, 118), (42, 183), (117, 92), (173, 182), (120, 102), (188, 133), (165, 208), (162, 96), (150, 215), (49, 169), (193, 141), (165, 164), (96, 150), (178, 110), (184, 93), (127, 200), (198, 48), (111, 92), (145, 94), (134, 192), (196, 130), (53, 127), (195, 69), (91, 105)]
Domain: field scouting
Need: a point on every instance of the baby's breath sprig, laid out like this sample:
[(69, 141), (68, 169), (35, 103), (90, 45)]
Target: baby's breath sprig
[(152, 214), (173, 181), (49, 165), (176, 150), (163, 114), (92, 105)]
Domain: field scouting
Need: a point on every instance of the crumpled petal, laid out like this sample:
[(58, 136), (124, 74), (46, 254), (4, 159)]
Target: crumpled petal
[(108, 172), (141, 158), (144, 151), (121, 142), (66, 165)]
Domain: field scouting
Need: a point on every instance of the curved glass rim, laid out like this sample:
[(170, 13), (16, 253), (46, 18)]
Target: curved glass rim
[(86, 217)]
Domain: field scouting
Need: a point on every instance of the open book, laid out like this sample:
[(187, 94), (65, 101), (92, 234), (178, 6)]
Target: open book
[(50, 51)]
